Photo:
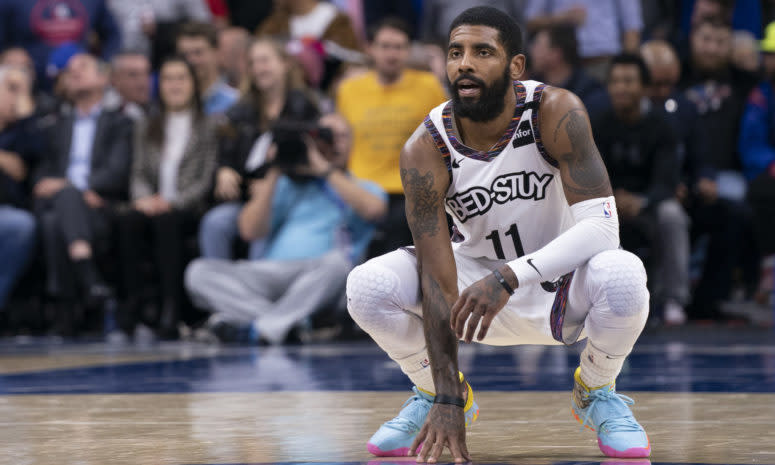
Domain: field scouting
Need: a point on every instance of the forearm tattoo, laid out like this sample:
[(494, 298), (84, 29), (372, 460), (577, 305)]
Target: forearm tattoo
[(424, 202)]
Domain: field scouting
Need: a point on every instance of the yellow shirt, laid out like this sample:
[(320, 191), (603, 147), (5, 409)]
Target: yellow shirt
[(383, 118)]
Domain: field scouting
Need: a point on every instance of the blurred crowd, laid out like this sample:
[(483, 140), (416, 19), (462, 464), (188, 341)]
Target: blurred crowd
[(212, 169)]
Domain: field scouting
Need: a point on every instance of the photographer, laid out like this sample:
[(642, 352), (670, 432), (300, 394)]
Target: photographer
[(317, 221), (276, 90)]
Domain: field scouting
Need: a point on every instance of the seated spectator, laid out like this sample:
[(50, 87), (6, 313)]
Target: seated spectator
[(172, 171), (17, 225), (130, 78), (718, 90), (384, 107), (34, 101), (437, 15), (150, 26), (603, 29), (554, 59), (723, 222), (757, 150), (40, 26), (233, 43), (317, 220), (83, 173), (276, 90), (310, 19), (198, 44), (640, 152)]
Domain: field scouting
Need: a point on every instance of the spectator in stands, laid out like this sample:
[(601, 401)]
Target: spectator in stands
[(172, 170), (437, 15), (233, 43), (151, 26), (384, 107), (725, 223), (198, 43), (276, 91), (757, 150), (31, 100), (131, 81), (718, 90), (603, 28), (83, 173), (40, 26), (317, 220), (310, 19), (17, 225), (640, 152), (554, 59)]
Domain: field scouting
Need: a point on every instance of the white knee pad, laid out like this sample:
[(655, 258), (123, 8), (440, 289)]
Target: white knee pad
[(370, 289), (620, 277)]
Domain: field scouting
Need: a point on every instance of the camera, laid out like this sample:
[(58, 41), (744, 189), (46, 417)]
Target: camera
[(291, 139)]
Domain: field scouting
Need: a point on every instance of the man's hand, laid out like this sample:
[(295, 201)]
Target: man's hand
[(575, 16), (627, 204), (49, 187), (481, 301), (93, 199), (445, 426), (227, 184), (12, 165), (152, 205)]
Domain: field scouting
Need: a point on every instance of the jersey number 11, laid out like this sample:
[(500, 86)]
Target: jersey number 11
[(495, 237)]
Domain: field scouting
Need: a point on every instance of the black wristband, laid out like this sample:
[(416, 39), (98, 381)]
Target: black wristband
[(450, 400), (503, 282)]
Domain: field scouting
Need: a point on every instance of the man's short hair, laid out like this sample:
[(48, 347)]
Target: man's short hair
[(630, 59), (563, 37), (391, 22), (206, 31), (509, 32), (715, 22)]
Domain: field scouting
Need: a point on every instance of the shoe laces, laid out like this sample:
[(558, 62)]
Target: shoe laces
[(598, 399), (410, 420)]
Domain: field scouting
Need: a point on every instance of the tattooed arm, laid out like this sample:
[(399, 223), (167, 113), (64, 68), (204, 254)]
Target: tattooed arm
[(567, 137), (426, 180)]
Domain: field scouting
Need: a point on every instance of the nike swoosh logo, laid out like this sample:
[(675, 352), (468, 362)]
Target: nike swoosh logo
[(530, 262)]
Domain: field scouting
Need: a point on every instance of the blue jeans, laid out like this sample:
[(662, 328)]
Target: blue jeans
[(17, 239), (218, 231)]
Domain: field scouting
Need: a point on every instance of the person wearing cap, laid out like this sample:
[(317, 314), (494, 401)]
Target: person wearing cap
[(757, 154)]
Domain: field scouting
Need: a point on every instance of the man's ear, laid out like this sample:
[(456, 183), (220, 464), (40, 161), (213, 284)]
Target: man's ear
[(517, 67)]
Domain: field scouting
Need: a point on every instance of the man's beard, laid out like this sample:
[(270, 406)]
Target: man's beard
[(491, 99)]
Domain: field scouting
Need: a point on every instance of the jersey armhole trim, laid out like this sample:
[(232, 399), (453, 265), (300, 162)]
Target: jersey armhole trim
[(536, 102), (440, 144)]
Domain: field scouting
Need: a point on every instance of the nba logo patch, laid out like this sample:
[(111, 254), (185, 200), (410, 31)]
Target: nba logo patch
[(607, 209), (425, 363)]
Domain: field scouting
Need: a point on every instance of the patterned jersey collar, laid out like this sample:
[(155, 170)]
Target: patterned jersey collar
[(446, 116)]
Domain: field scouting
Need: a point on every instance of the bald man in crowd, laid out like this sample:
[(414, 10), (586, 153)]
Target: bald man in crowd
[(725, 223)]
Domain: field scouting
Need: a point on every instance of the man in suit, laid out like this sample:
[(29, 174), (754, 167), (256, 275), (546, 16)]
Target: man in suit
[(83, 173)]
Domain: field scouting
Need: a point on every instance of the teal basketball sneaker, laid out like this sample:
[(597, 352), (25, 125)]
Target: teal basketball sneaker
[(394, 437), (604, 411)]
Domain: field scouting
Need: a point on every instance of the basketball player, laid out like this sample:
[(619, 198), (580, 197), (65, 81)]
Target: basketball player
[(534, 249)]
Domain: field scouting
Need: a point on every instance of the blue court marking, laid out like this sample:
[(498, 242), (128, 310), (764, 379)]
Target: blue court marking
[(363, 367)]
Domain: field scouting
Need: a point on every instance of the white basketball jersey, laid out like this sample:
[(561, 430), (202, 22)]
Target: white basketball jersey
[(509, 201)]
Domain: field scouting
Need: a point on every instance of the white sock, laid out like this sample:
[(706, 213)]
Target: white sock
[(418, 368), (599, 368)]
